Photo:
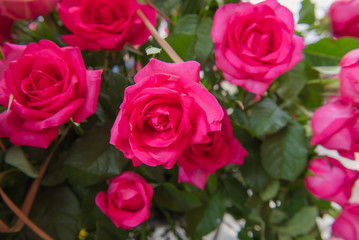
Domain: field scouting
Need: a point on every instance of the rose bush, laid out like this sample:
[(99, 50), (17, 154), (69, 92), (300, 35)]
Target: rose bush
[(349, 76), (218, 149), (127, 201), (254, 44), (346, 226), (25, 9), (44, 86), (336, 125), (331, 180), (164, 111), (105, 24), (344, 18)]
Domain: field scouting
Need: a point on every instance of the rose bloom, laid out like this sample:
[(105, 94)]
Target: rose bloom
[(254, 44), (349, 76), (219, 148), (331, 180), (127, 201), (5, 29), (44, 86), (104, 24), (346, 225), (26, 9), (344, 17), (336, 126), (162, 113)]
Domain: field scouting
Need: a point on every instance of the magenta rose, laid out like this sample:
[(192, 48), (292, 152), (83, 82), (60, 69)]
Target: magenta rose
[(219, 148), (344, 17), (25, 9), (331, 180), (162, 113), (127, 201), (346, 226), (254, 44), (49, 85), (104, 24), (349, 76), (5, 29), (336, 126)]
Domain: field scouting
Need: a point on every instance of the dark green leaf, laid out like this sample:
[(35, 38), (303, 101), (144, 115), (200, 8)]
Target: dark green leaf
[(187, 24), (106, 230), (236, 192), (277, 216), (267, 117), (306, 14), (183, 44), (168, 196), (270, 191), (16, 157), (301, 223), (292, 82), (328, 51), (204, 219), (92, 159), (166, 6), (117, 85), (204, 44), (55, 210), (284, 154)]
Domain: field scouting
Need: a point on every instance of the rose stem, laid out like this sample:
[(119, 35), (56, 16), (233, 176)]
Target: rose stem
[(23, 217), (159, 12), (31, 194), (169, 50), (1, 54), (2, 146)]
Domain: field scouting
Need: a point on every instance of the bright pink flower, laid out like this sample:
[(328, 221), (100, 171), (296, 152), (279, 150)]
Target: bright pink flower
[(344, 18), (25, 9), (254, 44), (349, 76), (104, 24), (336, 126), (127, 201), (331, 180), (161, 114), (5, 29), (219, 148), (49, 85), (346, 225)]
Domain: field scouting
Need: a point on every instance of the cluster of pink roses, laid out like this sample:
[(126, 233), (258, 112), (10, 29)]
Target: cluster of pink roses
[(333, 182), (344, 18), (336, 124)]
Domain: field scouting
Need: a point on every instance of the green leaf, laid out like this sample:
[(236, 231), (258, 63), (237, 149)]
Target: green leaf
[(292, 82), (270, 191), (284, 154), (301, 223), (277, 216), (328, 70), (187, 24), (267, 117), (204, 44), (91, 159), (204, 219), (183, 44), (7, 175), (252, 170), (307, 14), (328, 51), (117, 85), (236, 192), (16, 157), (106, 230), (168, 196), (55, 210), (166, 6)]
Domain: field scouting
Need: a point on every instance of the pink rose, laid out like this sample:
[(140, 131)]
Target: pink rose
[(336, 126), (104, 24), (161, 114), (349, 76), (5, 29), (346, 225), (344, 18), (127, 201), (218, 149), (49, 86), (254, 44), (331, 180), (25, 9)]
